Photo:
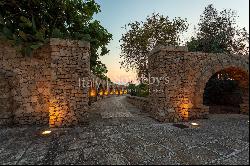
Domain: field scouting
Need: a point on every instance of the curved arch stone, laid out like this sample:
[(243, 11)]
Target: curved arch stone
[(188, 72)]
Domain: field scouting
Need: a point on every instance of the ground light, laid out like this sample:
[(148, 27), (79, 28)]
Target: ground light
[(194, 124), (46, 132)]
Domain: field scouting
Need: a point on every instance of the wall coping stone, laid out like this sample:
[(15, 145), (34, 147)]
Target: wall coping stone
[(169, 48), (138, 98), (68, 43)]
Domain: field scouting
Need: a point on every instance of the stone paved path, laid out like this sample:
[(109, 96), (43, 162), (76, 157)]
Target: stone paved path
[(116, 111), (118, 133), (113, 108)]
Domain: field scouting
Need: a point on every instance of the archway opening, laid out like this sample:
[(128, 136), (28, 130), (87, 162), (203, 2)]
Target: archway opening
[(227, 91)]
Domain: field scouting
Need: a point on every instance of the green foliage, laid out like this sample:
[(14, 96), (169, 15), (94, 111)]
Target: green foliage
[(219, 33), (142, 37), (132, 89), (30, 23), (99, 39), (99, 70), (140, 90)]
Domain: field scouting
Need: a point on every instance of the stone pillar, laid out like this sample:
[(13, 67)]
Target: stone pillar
[(168, 102), (69, 63), (6, 113), (244, 107), (178, 79)]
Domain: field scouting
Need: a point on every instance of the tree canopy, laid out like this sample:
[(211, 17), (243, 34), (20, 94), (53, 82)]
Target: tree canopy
[(218, 33), (30, 23), (141, 37)]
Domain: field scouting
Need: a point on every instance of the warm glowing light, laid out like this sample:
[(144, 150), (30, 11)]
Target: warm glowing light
[(194, 124), (116, 92), (125, 92), (184, 111), (121, 92), (46, 132), (185, 106), (92, 92), (101, 93), (57, 112), (106, 92)]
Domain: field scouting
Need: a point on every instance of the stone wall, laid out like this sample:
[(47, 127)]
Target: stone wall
[(181, 97), (6, 113), (28, 80), (44, 88), (140, 102)]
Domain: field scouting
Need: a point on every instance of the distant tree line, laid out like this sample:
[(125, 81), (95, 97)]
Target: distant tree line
[(217, 32)]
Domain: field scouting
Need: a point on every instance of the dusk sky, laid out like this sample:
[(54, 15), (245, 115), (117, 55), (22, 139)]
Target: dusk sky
[(116, 13)]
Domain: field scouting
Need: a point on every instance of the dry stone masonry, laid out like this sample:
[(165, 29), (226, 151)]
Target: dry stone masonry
[(181, 98), (43, 89), (139, 102)]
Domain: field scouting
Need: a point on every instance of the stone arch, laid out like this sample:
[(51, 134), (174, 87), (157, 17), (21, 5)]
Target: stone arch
[(234, 65), (181, 98)]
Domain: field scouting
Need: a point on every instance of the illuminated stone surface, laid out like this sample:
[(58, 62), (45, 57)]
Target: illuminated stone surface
[(182, 78), (43, 89)]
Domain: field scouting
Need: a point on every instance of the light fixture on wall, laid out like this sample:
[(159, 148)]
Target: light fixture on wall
[(101, 92), (106, 93), (92, 92)]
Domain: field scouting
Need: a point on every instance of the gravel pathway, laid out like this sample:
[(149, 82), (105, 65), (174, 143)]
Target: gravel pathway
[(118, 133)]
